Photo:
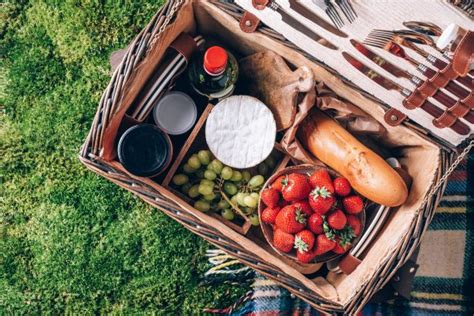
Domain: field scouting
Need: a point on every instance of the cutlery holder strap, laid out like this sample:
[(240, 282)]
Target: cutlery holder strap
[(452, 86), (464, 54), (469, 100), (427, 88), (260, 4), (460, 64), (349, 263), (249, 22), (447, 119), (414, 100), (459, 109), (444, 76), (442, 119), (394, 117), (184, 44)]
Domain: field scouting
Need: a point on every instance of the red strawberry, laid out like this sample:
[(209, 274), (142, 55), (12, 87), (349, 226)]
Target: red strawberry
[(324, 244), (337, 219), (342, 187), (339, 249), (278, 183), (355, 223), (304, 240), (304, 207), (315, 223), (283, 241), (353, 204), (291, 220), (321, 200), (306, 256), (295, 187), (269, 215), (321, 178), (270, 197)]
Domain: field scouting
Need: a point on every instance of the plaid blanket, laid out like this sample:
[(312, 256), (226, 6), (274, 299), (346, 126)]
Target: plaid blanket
[(444, 284)]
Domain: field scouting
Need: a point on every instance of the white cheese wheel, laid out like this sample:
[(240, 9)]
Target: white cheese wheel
[(241, 131)]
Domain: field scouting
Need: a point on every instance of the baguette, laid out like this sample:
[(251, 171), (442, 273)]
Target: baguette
[(367, 172)]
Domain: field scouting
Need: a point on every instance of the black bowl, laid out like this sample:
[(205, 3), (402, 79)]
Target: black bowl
[(144, 150)]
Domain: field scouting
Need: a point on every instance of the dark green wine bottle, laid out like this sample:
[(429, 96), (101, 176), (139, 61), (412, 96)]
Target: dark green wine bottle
[(214, 72)]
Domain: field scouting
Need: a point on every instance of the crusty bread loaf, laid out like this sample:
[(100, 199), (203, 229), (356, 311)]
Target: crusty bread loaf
[(367, 172)]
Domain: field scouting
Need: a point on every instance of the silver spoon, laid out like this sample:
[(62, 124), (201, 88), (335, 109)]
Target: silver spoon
[(426, 28)]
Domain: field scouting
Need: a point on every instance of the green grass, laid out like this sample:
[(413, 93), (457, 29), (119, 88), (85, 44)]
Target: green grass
[(70, 241)]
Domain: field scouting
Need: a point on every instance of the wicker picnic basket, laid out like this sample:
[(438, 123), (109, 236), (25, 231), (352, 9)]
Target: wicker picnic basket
[(429, 163)]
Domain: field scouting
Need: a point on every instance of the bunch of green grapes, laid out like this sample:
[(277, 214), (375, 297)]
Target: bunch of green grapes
[(206, 180)]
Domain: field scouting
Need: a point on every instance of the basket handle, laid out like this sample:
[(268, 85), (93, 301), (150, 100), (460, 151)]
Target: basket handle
[(184, 45)]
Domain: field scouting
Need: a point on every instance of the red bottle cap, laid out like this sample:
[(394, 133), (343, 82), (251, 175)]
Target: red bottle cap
[(215, 60)]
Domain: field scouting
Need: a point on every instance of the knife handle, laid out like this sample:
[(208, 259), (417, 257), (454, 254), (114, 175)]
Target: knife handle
[(438, 63), (467, 81)]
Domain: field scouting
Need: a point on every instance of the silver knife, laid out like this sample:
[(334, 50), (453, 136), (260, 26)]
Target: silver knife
[(313, 17), (300, 27)]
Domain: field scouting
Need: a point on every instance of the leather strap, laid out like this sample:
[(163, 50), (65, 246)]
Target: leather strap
[(442, 77), (349, 263), (459, 109), (463, 55), (260, 4), (394, 117), (455, 107), (451, 86), (469, 100), (249, 22), (445, 120), (414, 100), (185, 45), (120, 118), (427, 88)]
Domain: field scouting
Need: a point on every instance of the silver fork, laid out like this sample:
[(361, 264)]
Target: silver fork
[(347, 9), (331, 11)]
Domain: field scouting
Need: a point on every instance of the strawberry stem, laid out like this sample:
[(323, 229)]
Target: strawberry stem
[(300, 216), (321, 191), (300, 244)]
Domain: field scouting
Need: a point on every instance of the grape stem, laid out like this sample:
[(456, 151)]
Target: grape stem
[(234, 206), (219, 184)]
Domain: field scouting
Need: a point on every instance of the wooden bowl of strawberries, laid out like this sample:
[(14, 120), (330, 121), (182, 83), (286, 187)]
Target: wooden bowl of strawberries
[(310, 214)]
